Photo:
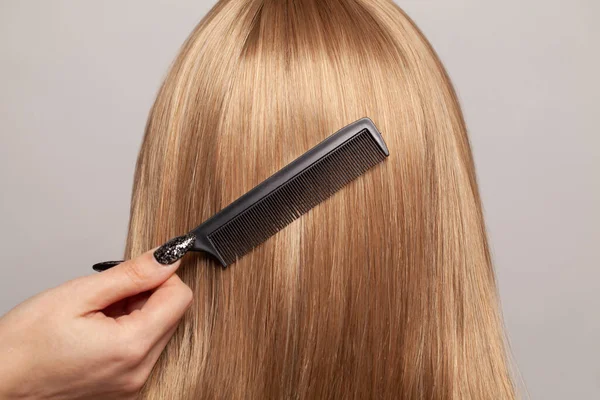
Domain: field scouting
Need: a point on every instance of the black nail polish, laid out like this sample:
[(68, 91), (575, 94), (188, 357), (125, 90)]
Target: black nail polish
[(174, 249), (103, 266)]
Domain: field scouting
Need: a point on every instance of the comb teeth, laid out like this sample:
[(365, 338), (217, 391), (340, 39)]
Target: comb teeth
[(297, 196)]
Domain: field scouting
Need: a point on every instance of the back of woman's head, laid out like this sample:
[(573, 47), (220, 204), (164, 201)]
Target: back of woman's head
[(385, 290)]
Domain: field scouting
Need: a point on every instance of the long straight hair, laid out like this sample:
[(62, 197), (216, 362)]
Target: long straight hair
[(385, 290)]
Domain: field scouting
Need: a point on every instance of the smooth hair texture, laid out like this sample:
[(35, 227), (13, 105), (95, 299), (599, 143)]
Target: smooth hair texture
[(386, 290)]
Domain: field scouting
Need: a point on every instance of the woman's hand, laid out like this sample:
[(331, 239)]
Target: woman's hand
[(94, 337)]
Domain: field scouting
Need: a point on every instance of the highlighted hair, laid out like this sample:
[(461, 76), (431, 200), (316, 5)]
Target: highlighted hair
[(385, 290)]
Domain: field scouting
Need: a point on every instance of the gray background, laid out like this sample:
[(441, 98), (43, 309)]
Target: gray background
[(78, 78)]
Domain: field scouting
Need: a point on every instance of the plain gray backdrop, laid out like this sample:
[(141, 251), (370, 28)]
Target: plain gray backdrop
[(78, 79)]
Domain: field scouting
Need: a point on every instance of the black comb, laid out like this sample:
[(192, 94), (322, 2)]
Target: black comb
[(290, 192)]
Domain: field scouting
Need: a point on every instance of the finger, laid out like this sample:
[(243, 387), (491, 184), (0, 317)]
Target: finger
[(116, 310), (136, 302), (134, 276), (162, 311), (153, 355), (127, 279), (126, 306)]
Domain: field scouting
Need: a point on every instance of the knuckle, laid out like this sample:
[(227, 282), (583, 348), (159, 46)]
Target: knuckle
[(131, 352), (188, 295), (136, 353), (69, 288), (134, 382)]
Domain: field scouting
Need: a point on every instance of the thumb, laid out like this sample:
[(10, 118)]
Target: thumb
[(134, 276)]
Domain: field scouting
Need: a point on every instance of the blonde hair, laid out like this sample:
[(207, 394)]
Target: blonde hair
[(386, 290)]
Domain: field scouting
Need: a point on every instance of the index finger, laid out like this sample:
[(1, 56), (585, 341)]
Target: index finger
[(162, 311)]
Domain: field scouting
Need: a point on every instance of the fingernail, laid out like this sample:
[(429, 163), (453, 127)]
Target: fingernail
[(103, 266), (174, 249)]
